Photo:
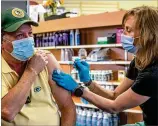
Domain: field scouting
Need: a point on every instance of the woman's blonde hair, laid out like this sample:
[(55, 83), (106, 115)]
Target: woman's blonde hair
[(147, 44)]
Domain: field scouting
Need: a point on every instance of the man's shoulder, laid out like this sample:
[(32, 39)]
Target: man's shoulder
[(52, 62)]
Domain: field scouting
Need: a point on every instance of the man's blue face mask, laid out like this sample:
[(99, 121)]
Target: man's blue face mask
[(127, 43), (23, 49)]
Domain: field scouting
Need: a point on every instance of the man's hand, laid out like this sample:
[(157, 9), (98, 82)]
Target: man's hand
[(64, 80), (83, 70), (38, 61)]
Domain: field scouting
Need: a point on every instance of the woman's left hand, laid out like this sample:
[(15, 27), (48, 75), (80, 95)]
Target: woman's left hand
[(64, 80)]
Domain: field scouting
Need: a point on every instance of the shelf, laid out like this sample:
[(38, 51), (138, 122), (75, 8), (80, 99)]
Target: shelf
[(80, 46), (105, 83), (87, 21), (46, 48), (92, 106), (98, 63)]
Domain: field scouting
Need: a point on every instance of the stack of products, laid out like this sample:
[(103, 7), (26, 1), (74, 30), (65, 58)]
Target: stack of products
[(92, 117), (58, 38), (97, 75)]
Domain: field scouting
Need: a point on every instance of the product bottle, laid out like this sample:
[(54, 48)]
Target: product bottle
[(74, 74), (37, 40), (100, 119), (105, 119), (110, 120), (89, 118), (92, 74), (115, 120), (66, 57), (94, 118), (83, 118), (77, 37), (111, 75), (65, 38), (78, 120), (60, 39), (56, 39), (44, 40), (62, 55), (82, 53), (108, 75), (72, 38)]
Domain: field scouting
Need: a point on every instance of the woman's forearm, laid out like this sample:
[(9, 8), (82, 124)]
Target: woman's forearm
[(102, 103), (97, 89)]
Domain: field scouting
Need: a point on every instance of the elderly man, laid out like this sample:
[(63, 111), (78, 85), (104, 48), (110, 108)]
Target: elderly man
[(29, 95)]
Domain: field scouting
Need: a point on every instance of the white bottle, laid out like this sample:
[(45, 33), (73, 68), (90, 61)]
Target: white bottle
[(108, 75), (105, 119), (77, 37), (72, 38), (110, 119), (115, 120), (79, 114), (89, 118), (92, 74), (62, 55), (66, 57), (104, 74), (111, 75), (107, 87), (94, 57), (83, 118), (112, 87), (100, 119), (82, 53), (74, 74), (95, 75), (94, 118)]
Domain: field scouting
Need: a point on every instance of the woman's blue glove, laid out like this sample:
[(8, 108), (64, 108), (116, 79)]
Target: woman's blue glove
[(83, 70), (64, 80)]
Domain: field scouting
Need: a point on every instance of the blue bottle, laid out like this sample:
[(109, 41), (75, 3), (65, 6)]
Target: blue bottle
[(77, 37), (100, 119), (94, 118), (105, 119), (115, 120), (89, 118), (110, 120), (79, 112), (83, 118), (72, 38), (37, 40)]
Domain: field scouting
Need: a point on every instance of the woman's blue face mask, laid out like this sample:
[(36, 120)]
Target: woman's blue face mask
[(127, 43), (23, 49)]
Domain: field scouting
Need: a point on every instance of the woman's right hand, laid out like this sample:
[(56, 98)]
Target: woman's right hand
[(83, 70), (38, 61)]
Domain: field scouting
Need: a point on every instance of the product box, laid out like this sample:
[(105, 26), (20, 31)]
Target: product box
[(118, 35), (111, 39), (121, 75), (102, 40)]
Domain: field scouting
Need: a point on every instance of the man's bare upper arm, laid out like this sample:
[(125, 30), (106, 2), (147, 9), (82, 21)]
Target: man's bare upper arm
[(62, 97)]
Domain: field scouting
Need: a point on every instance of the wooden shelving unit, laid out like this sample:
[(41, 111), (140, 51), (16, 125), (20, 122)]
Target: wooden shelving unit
[(98, 63), (80, 46), (89, 21)]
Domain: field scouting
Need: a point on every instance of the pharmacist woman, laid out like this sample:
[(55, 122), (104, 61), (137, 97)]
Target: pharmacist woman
[(140, 86)]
